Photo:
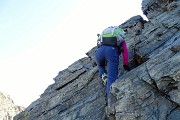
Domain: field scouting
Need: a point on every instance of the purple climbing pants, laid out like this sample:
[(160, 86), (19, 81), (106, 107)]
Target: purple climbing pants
[(107, 55)]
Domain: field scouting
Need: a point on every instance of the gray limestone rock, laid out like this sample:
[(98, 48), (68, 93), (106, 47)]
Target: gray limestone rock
[(7, 107), (150, 91)]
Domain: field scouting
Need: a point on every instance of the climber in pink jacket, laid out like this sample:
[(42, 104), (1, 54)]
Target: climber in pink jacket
[(109, 55)]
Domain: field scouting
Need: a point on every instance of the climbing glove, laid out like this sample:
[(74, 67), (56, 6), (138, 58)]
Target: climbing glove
[(126, 67)]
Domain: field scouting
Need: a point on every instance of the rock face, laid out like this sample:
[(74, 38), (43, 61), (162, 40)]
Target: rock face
[(150, 91), (7, 108)]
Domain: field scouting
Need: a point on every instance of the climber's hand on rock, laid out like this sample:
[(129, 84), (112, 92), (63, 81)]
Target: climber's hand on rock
[(126, 67)]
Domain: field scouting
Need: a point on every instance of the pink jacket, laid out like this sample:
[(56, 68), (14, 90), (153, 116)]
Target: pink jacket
[(125, 53)]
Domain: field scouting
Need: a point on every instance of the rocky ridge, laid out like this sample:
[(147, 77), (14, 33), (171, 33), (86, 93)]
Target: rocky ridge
[(7, 107), (150, 91)]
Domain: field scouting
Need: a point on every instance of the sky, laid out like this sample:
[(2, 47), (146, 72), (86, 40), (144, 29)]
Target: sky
[(39, 38)]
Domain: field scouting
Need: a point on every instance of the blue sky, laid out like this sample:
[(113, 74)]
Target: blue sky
[(24, 22), (39, 38)]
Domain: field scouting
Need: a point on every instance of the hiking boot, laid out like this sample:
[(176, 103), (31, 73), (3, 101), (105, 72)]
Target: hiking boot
[(108, 114), (111, 99), (112, 117), (104, 78)]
